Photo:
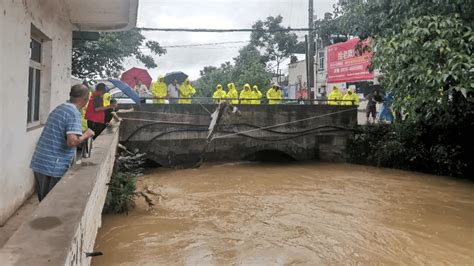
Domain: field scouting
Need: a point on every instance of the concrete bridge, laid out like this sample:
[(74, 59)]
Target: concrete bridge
[(176, 135)]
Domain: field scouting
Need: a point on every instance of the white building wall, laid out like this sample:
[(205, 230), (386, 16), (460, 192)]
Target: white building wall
[(295, 71), (17, 142)]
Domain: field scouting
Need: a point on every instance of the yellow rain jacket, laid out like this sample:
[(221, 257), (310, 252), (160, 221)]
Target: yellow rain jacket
[(246, 95), (350, 97), (334, 95), (256, 95), (219, 94), (274, 96), (159, 89), (106, 98), (232, 93), (83, 114), (186, 91)]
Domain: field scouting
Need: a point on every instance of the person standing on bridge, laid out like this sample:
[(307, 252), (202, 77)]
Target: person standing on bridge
[(246, 95), (335, 96), (186, 92), (173, 91), (274, 94), (159, 90), (232, 94), (256, 95), (57, 144), (219, 94), (350, 98)]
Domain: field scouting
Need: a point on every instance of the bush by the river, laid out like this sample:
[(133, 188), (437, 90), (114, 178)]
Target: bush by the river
[(436, 149), (121, 194)]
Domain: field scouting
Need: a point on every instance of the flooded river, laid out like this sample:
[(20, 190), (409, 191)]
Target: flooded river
[(289, 214)]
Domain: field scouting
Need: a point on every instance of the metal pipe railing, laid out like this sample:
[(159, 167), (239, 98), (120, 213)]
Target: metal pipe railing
[(210, 100)]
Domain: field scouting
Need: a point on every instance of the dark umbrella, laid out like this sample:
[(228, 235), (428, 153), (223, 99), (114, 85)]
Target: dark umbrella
[(369, 89), (126, 90), (133, 74), (179, 76)]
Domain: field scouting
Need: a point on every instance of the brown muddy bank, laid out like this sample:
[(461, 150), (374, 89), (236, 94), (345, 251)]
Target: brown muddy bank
[(296, 213)]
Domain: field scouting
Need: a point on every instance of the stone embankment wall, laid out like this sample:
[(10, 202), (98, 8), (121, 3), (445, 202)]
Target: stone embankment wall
[(64, 226), (174, 135)]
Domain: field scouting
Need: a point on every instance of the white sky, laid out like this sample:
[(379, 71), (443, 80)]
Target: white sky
[(212, 14)]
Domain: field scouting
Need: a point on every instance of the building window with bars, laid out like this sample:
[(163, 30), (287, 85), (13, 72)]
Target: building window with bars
[(34, 82)]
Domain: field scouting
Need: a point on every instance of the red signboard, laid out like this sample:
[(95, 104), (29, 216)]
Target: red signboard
[(345, 65)]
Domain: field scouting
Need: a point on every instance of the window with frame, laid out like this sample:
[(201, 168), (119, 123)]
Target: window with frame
[(321, 60), (34, 81)]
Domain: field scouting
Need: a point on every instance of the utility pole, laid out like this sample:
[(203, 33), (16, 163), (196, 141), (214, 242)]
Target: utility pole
[(307, 59), (310, 62)]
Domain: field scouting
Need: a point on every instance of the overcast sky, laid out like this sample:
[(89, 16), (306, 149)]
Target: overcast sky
[(212, 14)]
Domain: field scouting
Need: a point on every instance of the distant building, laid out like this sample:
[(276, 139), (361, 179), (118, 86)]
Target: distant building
[(35, 76)]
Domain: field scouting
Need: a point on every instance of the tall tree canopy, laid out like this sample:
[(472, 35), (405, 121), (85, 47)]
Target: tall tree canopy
[(104, 57), (248, 67), (277, 46), (423, 48)]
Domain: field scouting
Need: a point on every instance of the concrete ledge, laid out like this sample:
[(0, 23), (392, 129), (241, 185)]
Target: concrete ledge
[(64, 226)]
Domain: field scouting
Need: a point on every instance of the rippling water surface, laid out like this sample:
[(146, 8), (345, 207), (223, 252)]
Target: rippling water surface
[(289, 214)]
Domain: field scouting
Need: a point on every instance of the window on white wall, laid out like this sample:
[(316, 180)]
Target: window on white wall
[(39, 77), (34, 82)]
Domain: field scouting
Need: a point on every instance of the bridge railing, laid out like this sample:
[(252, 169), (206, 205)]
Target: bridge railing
[(210, 100)]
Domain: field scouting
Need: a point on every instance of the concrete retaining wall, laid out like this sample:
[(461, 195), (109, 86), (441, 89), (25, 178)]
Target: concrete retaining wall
[(64, 226), (323, 136)]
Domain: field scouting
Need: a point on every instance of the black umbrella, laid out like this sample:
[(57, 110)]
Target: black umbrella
[(179, 76), (369, 89)]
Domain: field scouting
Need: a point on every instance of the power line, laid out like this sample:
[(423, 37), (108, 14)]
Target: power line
[(203, 44), (224, 30)]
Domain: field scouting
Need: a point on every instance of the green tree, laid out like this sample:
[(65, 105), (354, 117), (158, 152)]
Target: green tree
[(424, 51), (277, 45), (104, 57), (248, 67)]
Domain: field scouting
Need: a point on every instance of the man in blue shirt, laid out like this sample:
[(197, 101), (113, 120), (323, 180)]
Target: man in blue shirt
[(56, 147)]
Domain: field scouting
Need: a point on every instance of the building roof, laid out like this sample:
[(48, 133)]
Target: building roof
[(103, 15)]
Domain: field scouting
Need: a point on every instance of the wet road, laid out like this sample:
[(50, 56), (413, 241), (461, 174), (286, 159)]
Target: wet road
[(293, 214)]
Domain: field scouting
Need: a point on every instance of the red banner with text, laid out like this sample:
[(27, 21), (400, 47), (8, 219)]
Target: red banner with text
[(345, 65)]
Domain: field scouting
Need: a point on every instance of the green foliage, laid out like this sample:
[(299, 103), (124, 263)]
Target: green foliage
[(427, 65), (248, 67), (277, 46), (104, 57), (121, 194), (414, 146)]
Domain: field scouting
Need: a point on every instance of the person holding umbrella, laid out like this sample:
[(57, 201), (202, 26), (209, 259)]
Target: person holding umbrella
[(186, 91), (140, 89)]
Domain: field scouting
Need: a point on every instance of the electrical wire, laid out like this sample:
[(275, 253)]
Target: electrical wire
[(224, 30)]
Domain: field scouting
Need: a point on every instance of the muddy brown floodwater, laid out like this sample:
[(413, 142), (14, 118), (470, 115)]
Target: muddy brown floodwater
[(289, 214)]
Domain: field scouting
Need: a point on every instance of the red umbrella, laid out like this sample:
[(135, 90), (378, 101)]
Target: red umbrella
[(133, 74)]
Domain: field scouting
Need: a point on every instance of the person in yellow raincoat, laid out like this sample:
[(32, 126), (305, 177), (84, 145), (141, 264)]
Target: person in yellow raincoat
[(246, 95), (350, 98), (219, 94), (232, 93), (83, 114), (159, 90), (334, 96), (256, 95), (186, 91), (274, 94)]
